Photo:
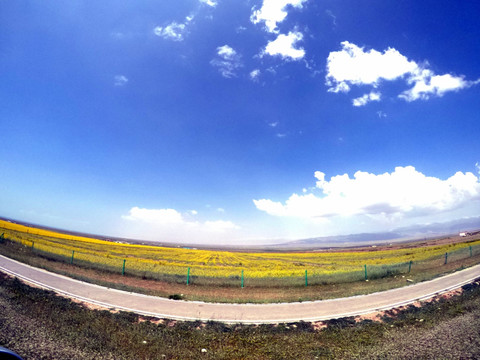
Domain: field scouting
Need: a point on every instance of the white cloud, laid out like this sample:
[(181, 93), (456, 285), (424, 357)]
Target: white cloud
[(120, 80), (363, 100), (404, 192), (211, 3), (226, 52), (381, 114), (227, 61), (220, 225), (254, 74), (273, 12), (284, 46), (427, 84), (169, 224), (222, 210), (354, 66), (173, 31), (154, 216)]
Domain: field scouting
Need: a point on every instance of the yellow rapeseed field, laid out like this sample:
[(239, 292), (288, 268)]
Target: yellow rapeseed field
[(175, 261)]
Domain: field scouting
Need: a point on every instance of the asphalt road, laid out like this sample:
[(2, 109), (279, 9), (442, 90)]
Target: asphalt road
[(238, 313)]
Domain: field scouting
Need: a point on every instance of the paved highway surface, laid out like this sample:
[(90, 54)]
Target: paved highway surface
[(237, 313)]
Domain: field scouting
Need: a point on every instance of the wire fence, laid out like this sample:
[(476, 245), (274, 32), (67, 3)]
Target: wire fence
[(300, 275)]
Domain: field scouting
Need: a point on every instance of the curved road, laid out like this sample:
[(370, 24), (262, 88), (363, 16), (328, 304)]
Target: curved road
[(237, 313)]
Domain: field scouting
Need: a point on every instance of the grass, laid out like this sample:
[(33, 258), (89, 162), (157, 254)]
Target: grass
[(37, 324)]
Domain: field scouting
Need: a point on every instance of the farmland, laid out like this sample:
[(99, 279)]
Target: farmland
[(226, 269)]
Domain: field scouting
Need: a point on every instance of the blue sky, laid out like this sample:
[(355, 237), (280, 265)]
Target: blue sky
[(239, 121)]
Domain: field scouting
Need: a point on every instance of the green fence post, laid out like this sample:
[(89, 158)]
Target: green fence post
[(366, 277), (188, 276), (409, 266), (242, 278), (33, 244), (306, 278), (446, 258), (71, 260), (123, 269), (471, 254)]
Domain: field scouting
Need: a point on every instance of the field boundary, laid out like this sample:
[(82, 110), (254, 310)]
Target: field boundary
[(236, 313)]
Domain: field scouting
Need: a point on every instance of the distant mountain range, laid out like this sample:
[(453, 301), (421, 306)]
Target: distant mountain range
[(404, 233)]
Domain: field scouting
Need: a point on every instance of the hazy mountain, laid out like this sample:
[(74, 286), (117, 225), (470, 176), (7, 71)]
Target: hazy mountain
[(404, 233)]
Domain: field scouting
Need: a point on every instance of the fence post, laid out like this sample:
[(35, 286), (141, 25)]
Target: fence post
[(242, 278), (471, 254), (188, 276), (123, 269), (33, 244), (366, 277), (409, 266), (306, 278), (446, 258), (71, 260)]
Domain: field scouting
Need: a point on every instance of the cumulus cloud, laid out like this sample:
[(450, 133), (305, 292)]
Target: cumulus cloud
[(285, 46), (353, 66), (404, 192), (363, 100), (120, 80), (227, 61), (170, 224), (426, 84), (273, 12)]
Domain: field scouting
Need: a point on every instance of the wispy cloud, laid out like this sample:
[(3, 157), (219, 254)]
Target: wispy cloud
[(365, 99), (227, 61), (286, 46), (334, 18), (254, 74), (353, 66), (174, 31), (211, 3), (120, 80)]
